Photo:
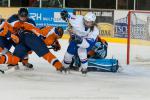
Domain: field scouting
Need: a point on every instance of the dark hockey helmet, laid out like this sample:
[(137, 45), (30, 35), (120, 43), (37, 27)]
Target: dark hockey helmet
[(23, 12), (59, 31)]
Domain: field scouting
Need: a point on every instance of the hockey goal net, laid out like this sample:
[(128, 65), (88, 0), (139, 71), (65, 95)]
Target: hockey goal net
[(138, 42)]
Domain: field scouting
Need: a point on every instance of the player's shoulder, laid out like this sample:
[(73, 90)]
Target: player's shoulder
[(96, 30), (75, 17), (79, 17), (13, 18), (2, 21), (31, 21)]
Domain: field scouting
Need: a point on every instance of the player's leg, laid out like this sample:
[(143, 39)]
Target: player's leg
[(71, 51), (25, 62), (82, 53), (53, 60), (40, 48), (8, 58), (12, 59), (4, 45)]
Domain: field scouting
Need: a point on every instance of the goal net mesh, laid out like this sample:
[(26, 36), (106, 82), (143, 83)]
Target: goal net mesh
[(139, 37)]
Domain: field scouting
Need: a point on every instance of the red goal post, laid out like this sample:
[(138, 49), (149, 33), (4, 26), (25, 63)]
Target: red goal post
[(129, 27)]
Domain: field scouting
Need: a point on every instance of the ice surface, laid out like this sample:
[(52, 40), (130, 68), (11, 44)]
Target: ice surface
[(44, 83)]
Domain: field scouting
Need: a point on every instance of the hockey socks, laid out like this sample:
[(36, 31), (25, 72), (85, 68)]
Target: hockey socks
[(8, 58), (53, 60)]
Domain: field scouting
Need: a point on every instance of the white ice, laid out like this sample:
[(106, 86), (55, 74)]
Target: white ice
[(44, 83)]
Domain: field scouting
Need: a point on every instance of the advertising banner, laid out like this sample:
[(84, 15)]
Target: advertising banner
[(120, 24), (47, 16), (104, 20)]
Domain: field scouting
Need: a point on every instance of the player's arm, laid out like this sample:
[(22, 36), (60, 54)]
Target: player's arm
[(11, 33), (3, 29), (32, 28), (10, 28), (47, 30), (56, 45), (6, 31), (52, 35), (87, 41)]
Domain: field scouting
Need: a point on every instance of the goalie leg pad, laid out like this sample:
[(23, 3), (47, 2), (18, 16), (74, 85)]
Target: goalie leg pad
[(103, 65)]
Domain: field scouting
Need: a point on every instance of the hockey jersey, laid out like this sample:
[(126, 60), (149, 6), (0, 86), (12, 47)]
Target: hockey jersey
[(17, 25), (78, 27), (50, 36), (4, 27)]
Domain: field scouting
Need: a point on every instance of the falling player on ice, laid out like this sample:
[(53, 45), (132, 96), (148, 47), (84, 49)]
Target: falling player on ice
[(83, 33), (32, 39)]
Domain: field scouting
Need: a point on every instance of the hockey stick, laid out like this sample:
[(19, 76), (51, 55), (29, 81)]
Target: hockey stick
[(50, 47), (8, 70), (2, 71)]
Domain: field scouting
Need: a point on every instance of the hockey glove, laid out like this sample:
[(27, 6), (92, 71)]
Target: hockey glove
[(8, 35), (13, 37), (56, 46), (77, 39), (64, 15)]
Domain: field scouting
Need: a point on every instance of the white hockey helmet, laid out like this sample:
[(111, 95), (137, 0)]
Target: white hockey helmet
[(90, 17)]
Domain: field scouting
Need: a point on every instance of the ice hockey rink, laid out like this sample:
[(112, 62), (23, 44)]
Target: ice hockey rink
[(44, 83)]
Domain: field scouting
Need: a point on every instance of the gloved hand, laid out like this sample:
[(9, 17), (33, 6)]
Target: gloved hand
[(77, 39), (15, 38), (56, 46), (8, 35), (64, 15), (12, 36)]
